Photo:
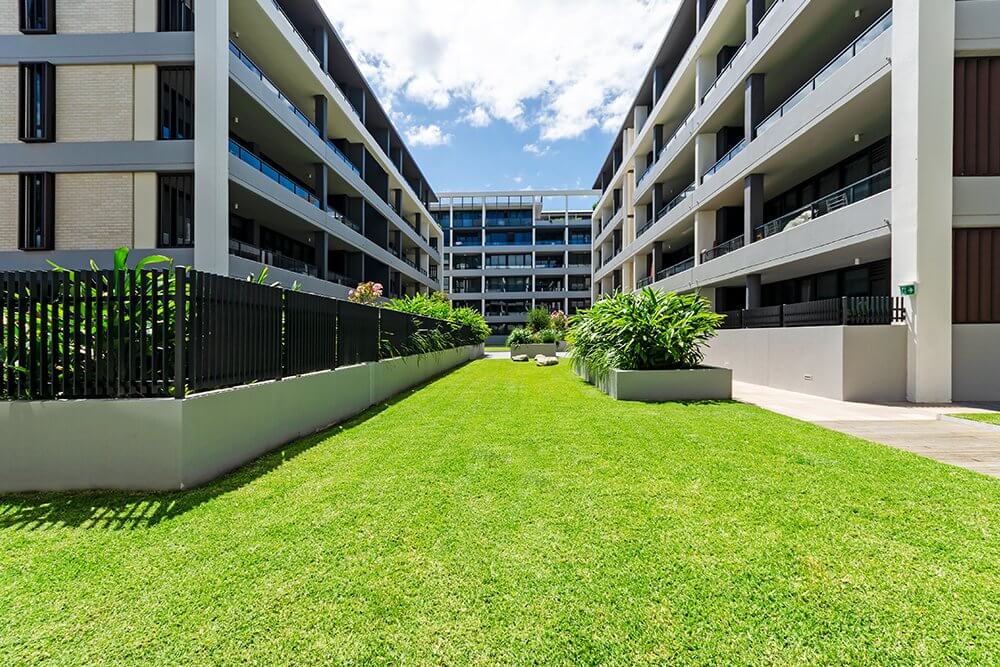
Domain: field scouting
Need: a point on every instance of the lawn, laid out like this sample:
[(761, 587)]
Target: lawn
[(512, 514), (984, 417)]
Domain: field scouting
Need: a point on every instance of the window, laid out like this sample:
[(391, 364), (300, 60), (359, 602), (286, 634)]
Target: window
[(176, 103), (176, 211), (36, 230), (977, 116), (38, 17), (176, 16), (976, 283), (37, 98)]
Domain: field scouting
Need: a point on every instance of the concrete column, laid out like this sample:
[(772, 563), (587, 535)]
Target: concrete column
[(322, 185), (322, 245), (321, 106), (704, 233), (753, 106), (657, 199), (753, 205), (657, 140), (923, 54), (321, 46), (705, 71), (659, 83), (639, 117), (702, 8), (755, 12), (657, 257), (211, 122), (753, 290), (704, 155)]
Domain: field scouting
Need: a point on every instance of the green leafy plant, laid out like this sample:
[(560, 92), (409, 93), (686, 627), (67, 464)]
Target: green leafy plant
[(538, 319), (520, 336), (465, 326), (644, 330), (261, 279), (549, 336)]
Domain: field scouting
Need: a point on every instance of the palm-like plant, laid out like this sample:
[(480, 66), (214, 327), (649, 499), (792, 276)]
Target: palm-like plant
[(645, 330)]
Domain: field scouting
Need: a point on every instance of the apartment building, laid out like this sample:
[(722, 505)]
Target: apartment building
[(509, 252), (828, 174), (229, 135)]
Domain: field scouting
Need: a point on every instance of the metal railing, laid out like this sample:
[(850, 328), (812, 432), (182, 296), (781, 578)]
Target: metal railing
[(725, 159), (667, 142), (843, 311), (343, 157), (722, 249), (669, 206), (270, 85), (271, 172), (344, 220), (863, 189), (880, 26), (679, 267), (722, 71), (271, 258), (645, 281)]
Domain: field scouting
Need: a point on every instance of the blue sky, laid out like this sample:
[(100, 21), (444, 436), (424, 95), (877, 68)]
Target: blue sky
[(505, 95)]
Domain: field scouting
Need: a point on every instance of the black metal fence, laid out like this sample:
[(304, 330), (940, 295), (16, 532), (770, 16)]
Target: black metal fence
[(845, 311), (158, 333)]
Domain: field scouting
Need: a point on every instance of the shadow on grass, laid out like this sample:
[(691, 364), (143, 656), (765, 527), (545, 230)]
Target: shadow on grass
[(128, 510)]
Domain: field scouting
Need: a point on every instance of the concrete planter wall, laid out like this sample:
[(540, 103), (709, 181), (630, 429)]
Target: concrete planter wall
[(694, 384), (532, 349), (167, 444)]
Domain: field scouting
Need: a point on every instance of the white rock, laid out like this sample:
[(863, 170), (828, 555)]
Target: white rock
[(519, 357)]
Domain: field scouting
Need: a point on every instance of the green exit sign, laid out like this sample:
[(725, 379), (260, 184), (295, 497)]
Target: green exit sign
[(908, 290)]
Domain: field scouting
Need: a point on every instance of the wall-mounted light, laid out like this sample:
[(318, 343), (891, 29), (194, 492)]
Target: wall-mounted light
[(857, 13), (857, 138), (236, 120), (236, 206)]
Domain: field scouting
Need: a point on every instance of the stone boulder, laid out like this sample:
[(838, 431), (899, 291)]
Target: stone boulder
[(542, 360), (519, 357)]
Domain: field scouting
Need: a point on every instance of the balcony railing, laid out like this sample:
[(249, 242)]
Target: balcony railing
[(259, 73), (722, 249), (869, 187), (676, 133), (579, 240), (271, 172), (645, 281), (843, 311), (344, 220), (679, 267), (271, 258), (880, 26), (722, 71), (549, 288), (725, 159), (340, 154), (669, 206)]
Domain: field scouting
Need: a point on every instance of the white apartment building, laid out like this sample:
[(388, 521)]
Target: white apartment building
[(230, 135), (508, 252), (827, 172)]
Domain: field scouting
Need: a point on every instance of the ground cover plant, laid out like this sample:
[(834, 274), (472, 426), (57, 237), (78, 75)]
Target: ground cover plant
[(985, 418), (504, 516)]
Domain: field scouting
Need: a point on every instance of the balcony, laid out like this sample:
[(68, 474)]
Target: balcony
[(645, 281), (337, 216), (869, 187), (271, 172), (725, 69), (679, 267), (722, 249), (656, 158), (271, 258), (725, 159), (876, 29), (579, 240), (671, 205)]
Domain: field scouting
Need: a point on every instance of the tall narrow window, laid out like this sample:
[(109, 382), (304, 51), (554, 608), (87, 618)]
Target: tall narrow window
[(37, 97), (176, 16), (38, 17), (176, 103), (36, 229), (176, 215)]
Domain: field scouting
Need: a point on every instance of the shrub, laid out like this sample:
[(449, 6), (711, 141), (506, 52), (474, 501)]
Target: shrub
[(558, 320), (469, 327), (520, 336), (644, 330), (538, 319), (549, 336), (366, 294)]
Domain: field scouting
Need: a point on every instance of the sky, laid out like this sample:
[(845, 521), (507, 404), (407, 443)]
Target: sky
[(505, 95)]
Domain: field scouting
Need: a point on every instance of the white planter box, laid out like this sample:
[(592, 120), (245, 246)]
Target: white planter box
[(694, 384), (532, 349)]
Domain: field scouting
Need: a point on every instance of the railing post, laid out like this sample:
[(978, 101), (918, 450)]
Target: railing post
[(180, 306), (844, 319)]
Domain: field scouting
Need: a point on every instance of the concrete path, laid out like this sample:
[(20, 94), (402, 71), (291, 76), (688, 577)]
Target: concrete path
[(914, 428)]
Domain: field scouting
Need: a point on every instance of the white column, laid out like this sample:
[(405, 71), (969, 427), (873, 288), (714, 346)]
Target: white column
[(705, 71), (704, 156), (211, 131), (704, 233), (923, 53)]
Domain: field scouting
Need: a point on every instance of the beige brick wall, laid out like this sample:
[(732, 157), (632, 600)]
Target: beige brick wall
[(77, 16), (8, 212), (93, 16), (93, 211), (8, 104), (94, 102)]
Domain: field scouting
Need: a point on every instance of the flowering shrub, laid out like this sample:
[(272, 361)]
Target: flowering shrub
[(367, 294), (558, 320)]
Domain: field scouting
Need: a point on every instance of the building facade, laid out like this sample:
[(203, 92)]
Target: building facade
[(509, 252), (230, 135), (809, 166)]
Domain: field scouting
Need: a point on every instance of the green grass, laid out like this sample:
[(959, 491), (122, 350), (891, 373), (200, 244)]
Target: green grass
[(984, 417), (512, 514), (497, 348)]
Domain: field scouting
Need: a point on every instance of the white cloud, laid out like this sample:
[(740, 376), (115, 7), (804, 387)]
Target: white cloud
[(477, 117), (561, 67), (427, 135), (536, 150)]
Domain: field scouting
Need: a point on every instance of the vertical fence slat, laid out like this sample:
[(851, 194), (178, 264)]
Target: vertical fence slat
[(180, 303)]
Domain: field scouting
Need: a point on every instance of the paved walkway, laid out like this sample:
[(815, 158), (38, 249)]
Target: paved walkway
[(915, 428)]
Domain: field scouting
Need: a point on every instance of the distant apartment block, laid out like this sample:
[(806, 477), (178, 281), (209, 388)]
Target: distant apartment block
[(229, 135), (509, 252), (820, 170)]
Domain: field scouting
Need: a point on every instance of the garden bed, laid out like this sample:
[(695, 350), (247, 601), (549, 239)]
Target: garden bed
[(688, 384), (532, 349)]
